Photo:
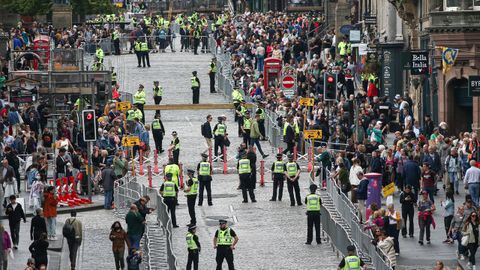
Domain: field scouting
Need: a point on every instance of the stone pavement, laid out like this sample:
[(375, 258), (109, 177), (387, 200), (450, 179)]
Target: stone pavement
[(272, 235)]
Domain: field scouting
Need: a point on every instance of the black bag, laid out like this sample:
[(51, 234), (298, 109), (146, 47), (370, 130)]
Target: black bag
[(226, 142), (68, 230), (346, 187), (203, 129)]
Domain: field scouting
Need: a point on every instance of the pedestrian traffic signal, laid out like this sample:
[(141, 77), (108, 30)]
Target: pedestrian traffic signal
[(329, 86), (89, 125)]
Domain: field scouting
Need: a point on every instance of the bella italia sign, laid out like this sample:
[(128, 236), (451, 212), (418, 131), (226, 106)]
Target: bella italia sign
[(419, 63)]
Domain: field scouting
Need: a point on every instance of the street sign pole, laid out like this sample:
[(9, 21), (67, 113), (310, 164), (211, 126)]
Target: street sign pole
[(89, 174)]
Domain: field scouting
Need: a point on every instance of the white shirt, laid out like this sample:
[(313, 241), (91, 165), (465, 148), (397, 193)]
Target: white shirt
[(472, 175), (353, 175)]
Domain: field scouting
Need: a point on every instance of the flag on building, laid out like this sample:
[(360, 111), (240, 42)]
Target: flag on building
[(449, 55)]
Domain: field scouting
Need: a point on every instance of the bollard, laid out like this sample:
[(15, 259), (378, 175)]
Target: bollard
[(262, 173), (149, 173), (280, 150), (310, 165), (181, 175), (225, 165), (155, 162), (210, 159), (295, 152), (140, 160)]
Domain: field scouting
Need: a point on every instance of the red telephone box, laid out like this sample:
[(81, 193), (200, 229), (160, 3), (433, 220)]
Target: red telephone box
[(271, 72)]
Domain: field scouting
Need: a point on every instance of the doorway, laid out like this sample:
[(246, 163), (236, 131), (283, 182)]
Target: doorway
[(460, 108)]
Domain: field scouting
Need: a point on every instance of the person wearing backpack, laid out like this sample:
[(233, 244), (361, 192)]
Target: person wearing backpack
[(72, 231), (207, 132)]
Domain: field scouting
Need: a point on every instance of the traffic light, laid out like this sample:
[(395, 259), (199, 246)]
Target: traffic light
[(89, 125), (329, 86)]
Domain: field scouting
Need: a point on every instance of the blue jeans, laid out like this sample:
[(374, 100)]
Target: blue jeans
[(256, 141), (431, 191), (52, 227), (474, 190), (134, 241), (260, 63), (108, 199), (453, 180)]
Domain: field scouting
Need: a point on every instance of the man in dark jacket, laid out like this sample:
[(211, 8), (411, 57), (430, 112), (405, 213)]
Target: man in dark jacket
[(207, 132), (108, 178), (411, 174), (377, 163), (38, 225), (61, 163), (15, 213), (14, 162), (408, 201)]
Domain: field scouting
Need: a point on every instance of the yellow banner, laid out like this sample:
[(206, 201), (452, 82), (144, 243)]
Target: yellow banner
[(388, 190), (449, 55)]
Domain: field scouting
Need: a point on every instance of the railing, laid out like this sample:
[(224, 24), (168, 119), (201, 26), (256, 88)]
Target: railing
[(126, 192)]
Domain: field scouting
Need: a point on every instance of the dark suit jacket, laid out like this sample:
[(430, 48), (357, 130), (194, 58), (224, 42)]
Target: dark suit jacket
[(9, 176)]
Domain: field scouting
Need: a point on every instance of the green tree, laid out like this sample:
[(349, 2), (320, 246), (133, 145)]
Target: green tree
[(27, 7)]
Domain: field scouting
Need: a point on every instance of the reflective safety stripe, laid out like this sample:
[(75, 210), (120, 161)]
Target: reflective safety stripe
[(247, 123), (244, 166), (191, 244), (158, 91), (156, 124), (204, 169), (278, 167), (144, 47), (194, 82), (224, 238), (213, 67), (352, 263), (169, 189), (285, 126), (220, 131), (292, 168), (194, 187), (313, 202)]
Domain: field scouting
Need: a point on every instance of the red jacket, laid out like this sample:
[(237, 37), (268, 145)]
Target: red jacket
[(372, 90), (50, 205)]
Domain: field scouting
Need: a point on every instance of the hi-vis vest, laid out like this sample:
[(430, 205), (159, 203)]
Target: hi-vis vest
[(138, 46), (194, 187), (247, 123), (224, 238), (156, 124), (237, 96), (244, 166), (278, 167), (169, 189), (144, 47), (313, 202), (158, 91), (285, 126), (220, 131), (194, 82), (352, 263), (292, 168), (191, 244), (213, 67), (174, 170), (204, 169)]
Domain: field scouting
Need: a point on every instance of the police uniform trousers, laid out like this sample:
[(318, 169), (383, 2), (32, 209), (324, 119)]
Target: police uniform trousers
[(247, 185), (195, 95), (240, 125), (196, 43), (139, 58), (145, 57), (246, 137), (204, 183), (261, 127), (235, 105), (192, 258), (224, 252), (158, 138), (212, 81), (171, 203), (278, 179), (140, 107), (290, 146), (313, 218), (116, 45), (291, 186), (219, 144), (191, 208), (176, 154), (157, 100)]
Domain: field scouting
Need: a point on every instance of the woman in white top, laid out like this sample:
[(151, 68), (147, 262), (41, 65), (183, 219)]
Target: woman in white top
[(354, 181), (394, 223)]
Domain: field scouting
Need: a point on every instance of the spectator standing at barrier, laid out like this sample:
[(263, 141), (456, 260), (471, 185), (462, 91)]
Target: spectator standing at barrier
[(206, 130), (205, 179), (292, 174), (135, 223), (108, 176), (175, 147), (191, 191), (212, 71), (139, 100), (219, 130), (119, 239), (158, 132), (408, 199), (278, 177), (195, 83), (169, 192), (50, 203), (120, 164), (244, 171), (425, 216), (74, 236), (38, 225), (15, 214), (193, 247), (224, 242), (362, 194), (313, 203)]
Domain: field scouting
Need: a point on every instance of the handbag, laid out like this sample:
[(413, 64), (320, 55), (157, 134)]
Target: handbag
[(464, 241)]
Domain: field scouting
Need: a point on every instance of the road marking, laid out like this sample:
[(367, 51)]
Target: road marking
[(235, 220), (188, 120)]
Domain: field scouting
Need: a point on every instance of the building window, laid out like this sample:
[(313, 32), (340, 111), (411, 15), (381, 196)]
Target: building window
[(476, 4), (451, 5)]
